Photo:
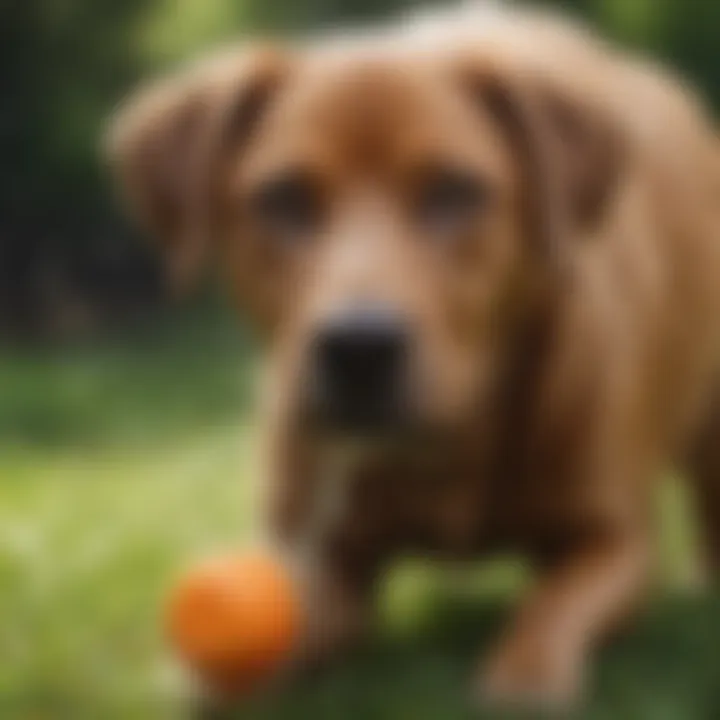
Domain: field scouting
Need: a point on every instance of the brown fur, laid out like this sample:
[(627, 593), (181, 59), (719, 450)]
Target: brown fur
[(567, 341)]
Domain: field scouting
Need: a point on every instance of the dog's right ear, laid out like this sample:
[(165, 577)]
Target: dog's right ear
[(572, 150), (165, 143)]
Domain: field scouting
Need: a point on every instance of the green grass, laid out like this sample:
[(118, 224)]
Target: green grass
[(120, 463)]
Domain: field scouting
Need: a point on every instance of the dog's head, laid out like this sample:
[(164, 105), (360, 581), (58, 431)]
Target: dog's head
[(387, 217)]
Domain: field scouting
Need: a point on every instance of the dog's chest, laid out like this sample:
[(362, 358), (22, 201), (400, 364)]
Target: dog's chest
[(460, 504), (411, 506)]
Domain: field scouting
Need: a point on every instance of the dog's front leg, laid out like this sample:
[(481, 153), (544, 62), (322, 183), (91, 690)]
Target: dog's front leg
[(338, 604), (335, 569), (541, 659)]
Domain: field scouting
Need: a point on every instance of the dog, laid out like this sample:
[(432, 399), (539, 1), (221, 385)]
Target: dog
[(482, 252)]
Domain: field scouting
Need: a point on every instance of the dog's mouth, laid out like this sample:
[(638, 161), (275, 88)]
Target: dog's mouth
[(380, 424), (372, 411)]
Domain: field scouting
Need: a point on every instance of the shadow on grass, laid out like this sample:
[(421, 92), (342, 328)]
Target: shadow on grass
[(666, 668)]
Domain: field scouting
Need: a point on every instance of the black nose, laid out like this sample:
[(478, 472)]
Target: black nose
[(360, 361)]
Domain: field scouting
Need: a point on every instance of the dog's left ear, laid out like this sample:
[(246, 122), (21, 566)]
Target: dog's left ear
[(167, 143), (570, 148)]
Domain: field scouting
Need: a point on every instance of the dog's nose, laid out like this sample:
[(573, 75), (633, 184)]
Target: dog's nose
[(360, 367)]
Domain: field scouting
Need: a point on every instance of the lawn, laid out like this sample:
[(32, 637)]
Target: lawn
[(122, 460)]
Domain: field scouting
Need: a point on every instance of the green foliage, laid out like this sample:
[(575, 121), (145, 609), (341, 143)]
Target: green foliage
[(177, 28)]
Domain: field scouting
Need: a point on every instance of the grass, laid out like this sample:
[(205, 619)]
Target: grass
[(121, 462)]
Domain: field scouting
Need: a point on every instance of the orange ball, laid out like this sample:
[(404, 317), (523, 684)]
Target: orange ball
[(234, 619)]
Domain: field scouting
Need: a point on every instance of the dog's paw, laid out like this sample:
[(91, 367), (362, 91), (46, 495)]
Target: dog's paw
[(531, 679)]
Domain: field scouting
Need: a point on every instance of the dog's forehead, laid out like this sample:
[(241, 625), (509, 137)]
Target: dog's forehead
[(362, 85), (384, 106)]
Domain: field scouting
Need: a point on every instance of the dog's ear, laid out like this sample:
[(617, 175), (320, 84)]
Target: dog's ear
[(165, 145), (570, 148)]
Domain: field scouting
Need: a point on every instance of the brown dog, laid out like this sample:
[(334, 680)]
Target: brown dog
[(484, 254)]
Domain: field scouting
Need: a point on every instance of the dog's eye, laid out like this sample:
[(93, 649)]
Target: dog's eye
[(288, 205), (449, 200)]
